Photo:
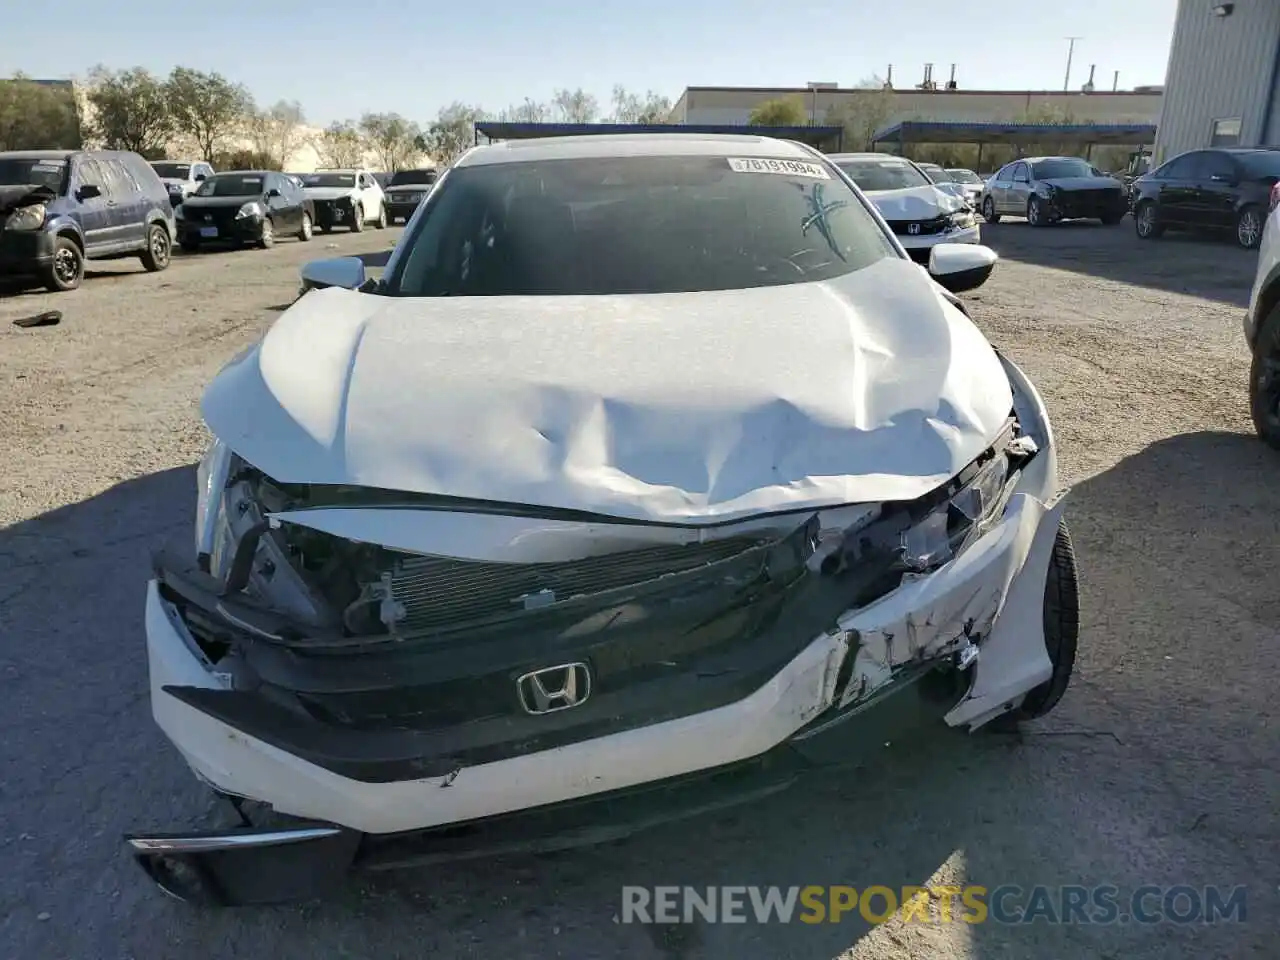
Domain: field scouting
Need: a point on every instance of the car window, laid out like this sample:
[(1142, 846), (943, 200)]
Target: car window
[(329, 179), (890, 173), (20, 171), (1179, 168), (1264, 163), (173, 171), (624, 225), (1061, 168), (89, 173), (233, 185), (1214, 164), (1021, 172), (117, 181), (412, 176), (964, 176)]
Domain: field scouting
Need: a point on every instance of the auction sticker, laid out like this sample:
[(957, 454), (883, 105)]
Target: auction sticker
[(788, 168)]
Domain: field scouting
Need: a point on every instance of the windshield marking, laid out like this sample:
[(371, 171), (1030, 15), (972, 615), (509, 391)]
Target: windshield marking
[(819, 217), (788, 168)]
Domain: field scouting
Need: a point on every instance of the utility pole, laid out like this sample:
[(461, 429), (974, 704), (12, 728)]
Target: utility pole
[(1066, 83)]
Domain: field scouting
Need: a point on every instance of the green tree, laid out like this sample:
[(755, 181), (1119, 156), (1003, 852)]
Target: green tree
[(863, 113), (340, 146), (779, 112), (394, 139), (38, 116), (632, 108), (452, 133), (130, 111), (207, 107)]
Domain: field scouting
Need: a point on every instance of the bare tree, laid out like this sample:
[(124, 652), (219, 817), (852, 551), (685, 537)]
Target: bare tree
[(864, 113), (530, 111), (632, 108), (36, 116), (779, 112), (340, 146), (277, 131), (575, 106), (394, 139), (452, 132), (207, 107), (130, 111)]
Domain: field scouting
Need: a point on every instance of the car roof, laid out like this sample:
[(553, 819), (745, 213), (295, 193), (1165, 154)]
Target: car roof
[(338, 170), (245, 173), (864, 156), (633, 145), (37, 154)]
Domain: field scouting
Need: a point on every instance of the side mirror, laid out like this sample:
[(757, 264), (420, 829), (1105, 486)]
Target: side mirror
[(88, 191), (273, 192), (961, 266), (201, 177), (345, 272)]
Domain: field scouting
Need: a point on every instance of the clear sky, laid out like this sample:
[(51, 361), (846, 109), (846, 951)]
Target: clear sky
[(340, 59)]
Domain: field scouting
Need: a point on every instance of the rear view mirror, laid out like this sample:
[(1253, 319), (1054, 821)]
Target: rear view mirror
[(961, 266), (345, 272), (89, 191), (273, 192)]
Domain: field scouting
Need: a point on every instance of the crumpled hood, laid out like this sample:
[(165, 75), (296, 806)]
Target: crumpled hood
[(683, 408), (328, 193), (1084, 183), (22, 195), (914, 203)]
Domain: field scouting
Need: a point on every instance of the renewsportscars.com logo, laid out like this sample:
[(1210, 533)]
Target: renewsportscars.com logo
[(1105, 904)]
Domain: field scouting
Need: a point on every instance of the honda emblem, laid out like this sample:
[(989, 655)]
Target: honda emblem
[(913, 228), (554, 688)]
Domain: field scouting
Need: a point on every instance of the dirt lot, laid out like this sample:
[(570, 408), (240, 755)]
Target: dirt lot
[(1162, 766)]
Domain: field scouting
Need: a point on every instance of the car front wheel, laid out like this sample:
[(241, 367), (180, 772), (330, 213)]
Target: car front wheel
[(989, 211), (1249, 228), (1264, 381), (1146, 223), (66, 269), (1035, 213), (357, 219)]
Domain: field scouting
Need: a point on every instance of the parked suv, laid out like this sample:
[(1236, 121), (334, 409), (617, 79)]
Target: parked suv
[(181, 177), (1262, 329), (61, 207)]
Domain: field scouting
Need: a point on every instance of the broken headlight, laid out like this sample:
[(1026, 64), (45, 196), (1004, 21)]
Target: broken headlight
[(30, 217), (212, 532)]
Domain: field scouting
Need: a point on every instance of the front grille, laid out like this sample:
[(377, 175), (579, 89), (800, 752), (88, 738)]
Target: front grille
[(923, 228), (434, 592), (221, 217), (1085, 202)]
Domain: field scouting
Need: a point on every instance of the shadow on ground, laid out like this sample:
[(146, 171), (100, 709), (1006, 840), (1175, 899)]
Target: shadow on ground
[(1177, 262), (1157, 768)]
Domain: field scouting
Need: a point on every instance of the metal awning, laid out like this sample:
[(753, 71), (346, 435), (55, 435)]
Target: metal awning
[(947, 131), (825, 138)]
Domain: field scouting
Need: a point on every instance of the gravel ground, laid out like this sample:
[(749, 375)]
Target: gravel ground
[(1162, 765)]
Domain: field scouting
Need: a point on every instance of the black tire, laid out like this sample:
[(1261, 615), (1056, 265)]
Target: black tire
[(159, 247), (1061, 628), (989, 211), (1146, 221), (381, 222), (267, 239), (1035, 213), (1264, 380), (304, 232), (66, 269), (1249, 224), (357, 219)]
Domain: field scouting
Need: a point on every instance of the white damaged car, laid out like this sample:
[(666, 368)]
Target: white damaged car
[(650, 475), (920, 212)]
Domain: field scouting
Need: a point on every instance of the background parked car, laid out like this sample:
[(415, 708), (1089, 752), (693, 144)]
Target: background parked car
[(918, 211), (345, 198), (406, 190), (68, 206), (970, 183), (244, 206), (1224, 189), (1051, 189), (181, 177), (943, 180)]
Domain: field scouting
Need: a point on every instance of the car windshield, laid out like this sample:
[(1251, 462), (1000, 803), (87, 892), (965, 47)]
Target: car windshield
[(18, 171), (964, 176), (887, 174), (633, 225), (1062, 168), (232, 185), (1264, 163), (174, 171), (412, 176), (329, 180), (936, 173)]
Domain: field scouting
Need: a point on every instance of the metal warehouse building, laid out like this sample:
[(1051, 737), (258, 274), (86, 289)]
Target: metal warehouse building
[(1220, 87)]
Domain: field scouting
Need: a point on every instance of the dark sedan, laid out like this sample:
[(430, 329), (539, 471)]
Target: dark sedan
[(1225, 190), (406, 190), (244, 206), (1051, 189)]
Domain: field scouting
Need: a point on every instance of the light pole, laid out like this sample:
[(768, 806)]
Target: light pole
[(1071, 49)]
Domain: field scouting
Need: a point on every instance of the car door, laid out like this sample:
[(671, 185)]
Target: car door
[(370, 196), (998, 186), (124, 204), (1020, 189), (297, 199), (285, 213), (1176, 202), (1217, 190), (92, 212)]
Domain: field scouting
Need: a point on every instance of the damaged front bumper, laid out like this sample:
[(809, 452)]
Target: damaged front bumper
[(679, 730)]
